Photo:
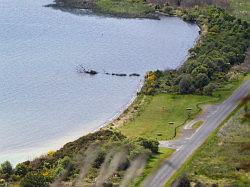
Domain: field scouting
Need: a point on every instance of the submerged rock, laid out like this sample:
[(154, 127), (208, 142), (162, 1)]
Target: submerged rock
[(134, 75), (81, 69), (119, 74), (91, 72)]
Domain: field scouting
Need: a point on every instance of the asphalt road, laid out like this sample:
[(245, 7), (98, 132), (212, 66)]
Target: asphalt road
[(210, 124)]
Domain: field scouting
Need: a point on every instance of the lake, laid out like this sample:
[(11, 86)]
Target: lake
[(44, 102)]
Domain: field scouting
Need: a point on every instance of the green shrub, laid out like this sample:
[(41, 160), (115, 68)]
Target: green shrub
[(34, 180), (208, 90), (152, 145), (182, 182), (22, 169), (6, 169), (168, 10), (186, 84), (201, 80)]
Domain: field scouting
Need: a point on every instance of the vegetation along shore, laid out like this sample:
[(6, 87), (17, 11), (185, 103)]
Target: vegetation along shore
[(126, 151)]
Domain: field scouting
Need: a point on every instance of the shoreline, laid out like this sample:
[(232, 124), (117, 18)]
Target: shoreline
[(97, 11), (129, 110), (109, 123), (132, 107)]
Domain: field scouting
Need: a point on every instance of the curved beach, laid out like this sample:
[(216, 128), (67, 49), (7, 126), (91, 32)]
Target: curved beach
[(44, 102)]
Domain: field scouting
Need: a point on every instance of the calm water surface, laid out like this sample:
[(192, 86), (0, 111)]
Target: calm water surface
[(44, 103)]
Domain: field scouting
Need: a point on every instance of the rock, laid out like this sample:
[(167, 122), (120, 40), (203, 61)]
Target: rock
[(81, 69), (134, 75)]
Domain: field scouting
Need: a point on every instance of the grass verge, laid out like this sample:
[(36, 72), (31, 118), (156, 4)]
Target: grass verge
[(217, 159), (241, 9)]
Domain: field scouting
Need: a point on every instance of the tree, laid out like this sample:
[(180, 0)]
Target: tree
[(222, 64), (6, 169), (186, 84), (201, 80)]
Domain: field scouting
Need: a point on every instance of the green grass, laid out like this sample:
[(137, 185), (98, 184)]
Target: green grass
[(153, 164), (163, 113), (227, 90), (124, 7), (223, 159), (241, 9)]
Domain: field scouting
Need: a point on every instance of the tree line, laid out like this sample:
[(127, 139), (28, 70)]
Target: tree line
[(223, 43)]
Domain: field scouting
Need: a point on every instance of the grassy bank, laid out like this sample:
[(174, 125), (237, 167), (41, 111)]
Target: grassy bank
[(162, 113), (241, 9), (121, 8), (224, 158), (126, 8)]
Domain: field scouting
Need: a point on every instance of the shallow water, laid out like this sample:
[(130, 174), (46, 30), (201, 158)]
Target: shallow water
[(43, 101)]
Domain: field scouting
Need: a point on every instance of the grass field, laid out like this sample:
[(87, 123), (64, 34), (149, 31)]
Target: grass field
[(241, 9), (162, 113), (224, 158), (124, 7)]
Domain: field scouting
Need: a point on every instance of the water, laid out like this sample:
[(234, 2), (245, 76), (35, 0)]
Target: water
[(44, 103)]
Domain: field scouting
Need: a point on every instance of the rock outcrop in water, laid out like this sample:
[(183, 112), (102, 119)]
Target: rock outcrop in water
[(134, 75), (82, 69)]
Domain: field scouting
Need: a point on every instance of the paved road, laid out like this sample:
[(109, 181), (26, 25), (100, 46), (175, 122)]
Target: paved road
[(210, 124)]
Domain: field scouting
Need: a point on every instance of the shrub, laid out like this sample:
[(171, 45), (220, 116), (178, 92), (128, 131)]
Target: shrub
[(168, 10), (182, 182), (208, 90), (152, 145), (22, 169), (99, 159), (201, 80), (34, 180), (2, 183), (186, 84), (6, 169)]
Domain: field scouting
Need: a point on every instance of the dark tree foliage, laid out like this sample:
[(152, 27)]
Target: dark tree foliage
[(34, 180), (5, 170), (201, 80), (223, 45), (152, 145), (182, 182), (186, 84), (22, 169)]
